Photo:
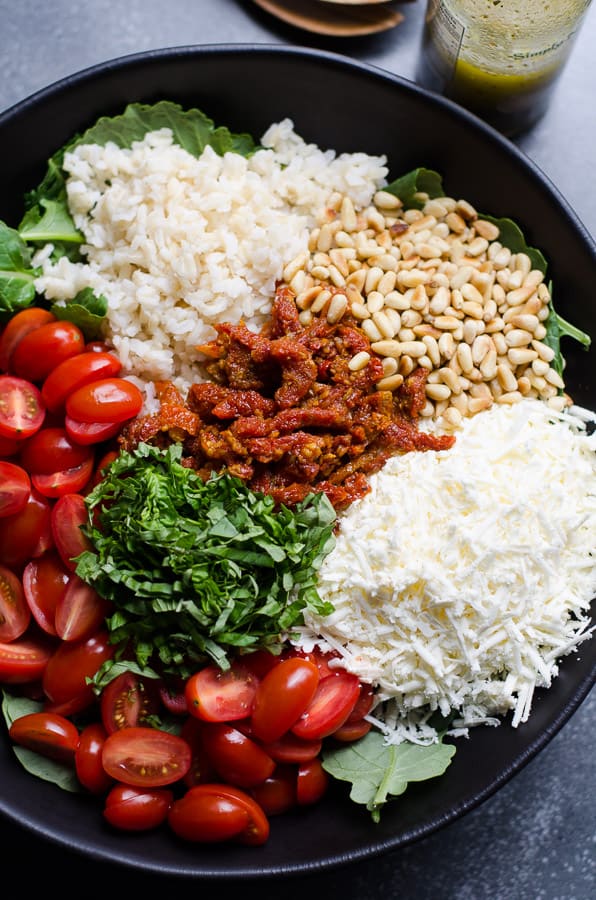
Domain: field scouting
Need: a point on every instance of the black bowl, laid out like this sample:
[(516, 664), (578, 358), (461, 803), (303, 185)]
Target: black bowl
[(348, 106)]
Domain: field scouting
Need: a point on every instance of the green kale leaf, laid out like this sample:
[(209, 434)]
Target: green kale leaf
[(379, 771)]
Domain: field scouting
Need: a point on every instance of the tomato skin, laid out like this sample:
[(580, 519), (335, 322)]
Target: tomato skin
[(282, 696), (237, 758), (106, 400), (64, 678), (88, 765), (15, 614), (66, 481), (277, 794), (17, 327), (334, 700), (8, 447), (311, 783), (351, 731), (207, 817), (87, 433), (145, 757), (15, 488), (201, 768), (137, 809), (128, 700), (80, 611), (26, 534), (68, 515), (216, 696), (44, 348), (24, 661), (291, 749), (171, 695), (46, 733), (75, 372), (44, 582), (257, 830), (50, 450), (22, 411)]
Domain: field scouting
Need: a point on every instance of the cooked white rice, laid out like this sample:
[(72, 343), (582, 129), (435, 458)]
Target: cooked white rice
[(176, 243)]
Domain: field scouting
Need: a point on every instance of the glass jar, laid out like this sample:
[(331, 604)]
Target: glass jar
[(498, 58)]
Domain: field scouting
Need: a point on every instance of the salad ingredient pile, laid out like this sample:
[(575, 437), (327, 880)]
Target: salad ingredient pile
[(253, 403)]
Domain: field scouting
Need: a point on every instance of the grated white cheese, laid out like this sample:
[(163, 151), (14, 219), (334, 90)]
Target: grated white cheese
[(464, 575)]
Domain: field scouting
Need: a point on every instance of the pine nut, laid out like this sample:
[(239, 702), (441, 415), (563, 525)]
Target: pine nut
[(374, 302), (507, 379), (383, 324), (320, 302), (510, 397), (520, 356), (438, 391), (517, 337), (389, 365), (387, 348), (413, 348), (359, 361), (391, 383), (337, 308)]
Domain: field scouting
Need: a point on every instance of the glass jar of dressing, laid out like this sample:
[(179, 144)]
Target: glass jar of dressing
[(498, 58)]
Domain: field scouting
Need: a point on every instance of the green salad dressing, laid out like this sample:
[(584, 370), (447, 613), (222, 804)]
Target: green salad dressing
[(499, 58)]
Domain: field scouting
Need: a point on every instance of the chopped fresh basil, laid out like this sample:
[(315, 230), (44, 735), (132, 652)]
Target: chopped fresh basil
[(199, 569)]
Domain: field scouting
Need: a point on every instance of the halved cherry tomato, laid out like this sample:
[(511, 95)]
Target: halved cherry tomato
[(257, 830), (65, 676), (21, 408), (44, 582), (128, 700), (15, 488), (26, 534), (137, 809), (15, 615), (106, 400), (75, 372), (44, 348), (80, 611), (311, 783), (66, 481), (217, 696), (145, 757), (207, 817), (88, 765), (334, 700), (277, 794), (237, 758), (24, 661), (282, 696), (17, 327), (49, 734), (87, 433), (69, 514), (51, 450)]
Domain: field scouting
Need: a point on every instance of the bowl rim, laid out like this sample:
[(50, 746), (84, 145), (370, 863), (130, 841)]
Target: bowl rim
[(380, 846)]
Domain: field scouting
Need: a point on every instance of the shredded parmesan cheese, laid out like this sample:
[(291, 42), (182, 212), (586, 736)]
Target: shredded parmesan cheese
[(464, 575)]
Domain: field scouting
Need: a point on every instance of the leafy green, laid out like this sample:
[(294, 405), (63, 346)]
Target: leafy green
[(556, 328), (379, 771), (61, 774), (86, 309), (418, 181), (48, 218), (17, 289), (198, 569), (511, 236)]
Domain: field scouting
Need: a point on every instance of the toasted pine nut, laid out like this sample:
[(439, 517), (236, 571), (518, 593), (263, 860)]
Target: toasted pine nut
[(359, 361), (390, 383)]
